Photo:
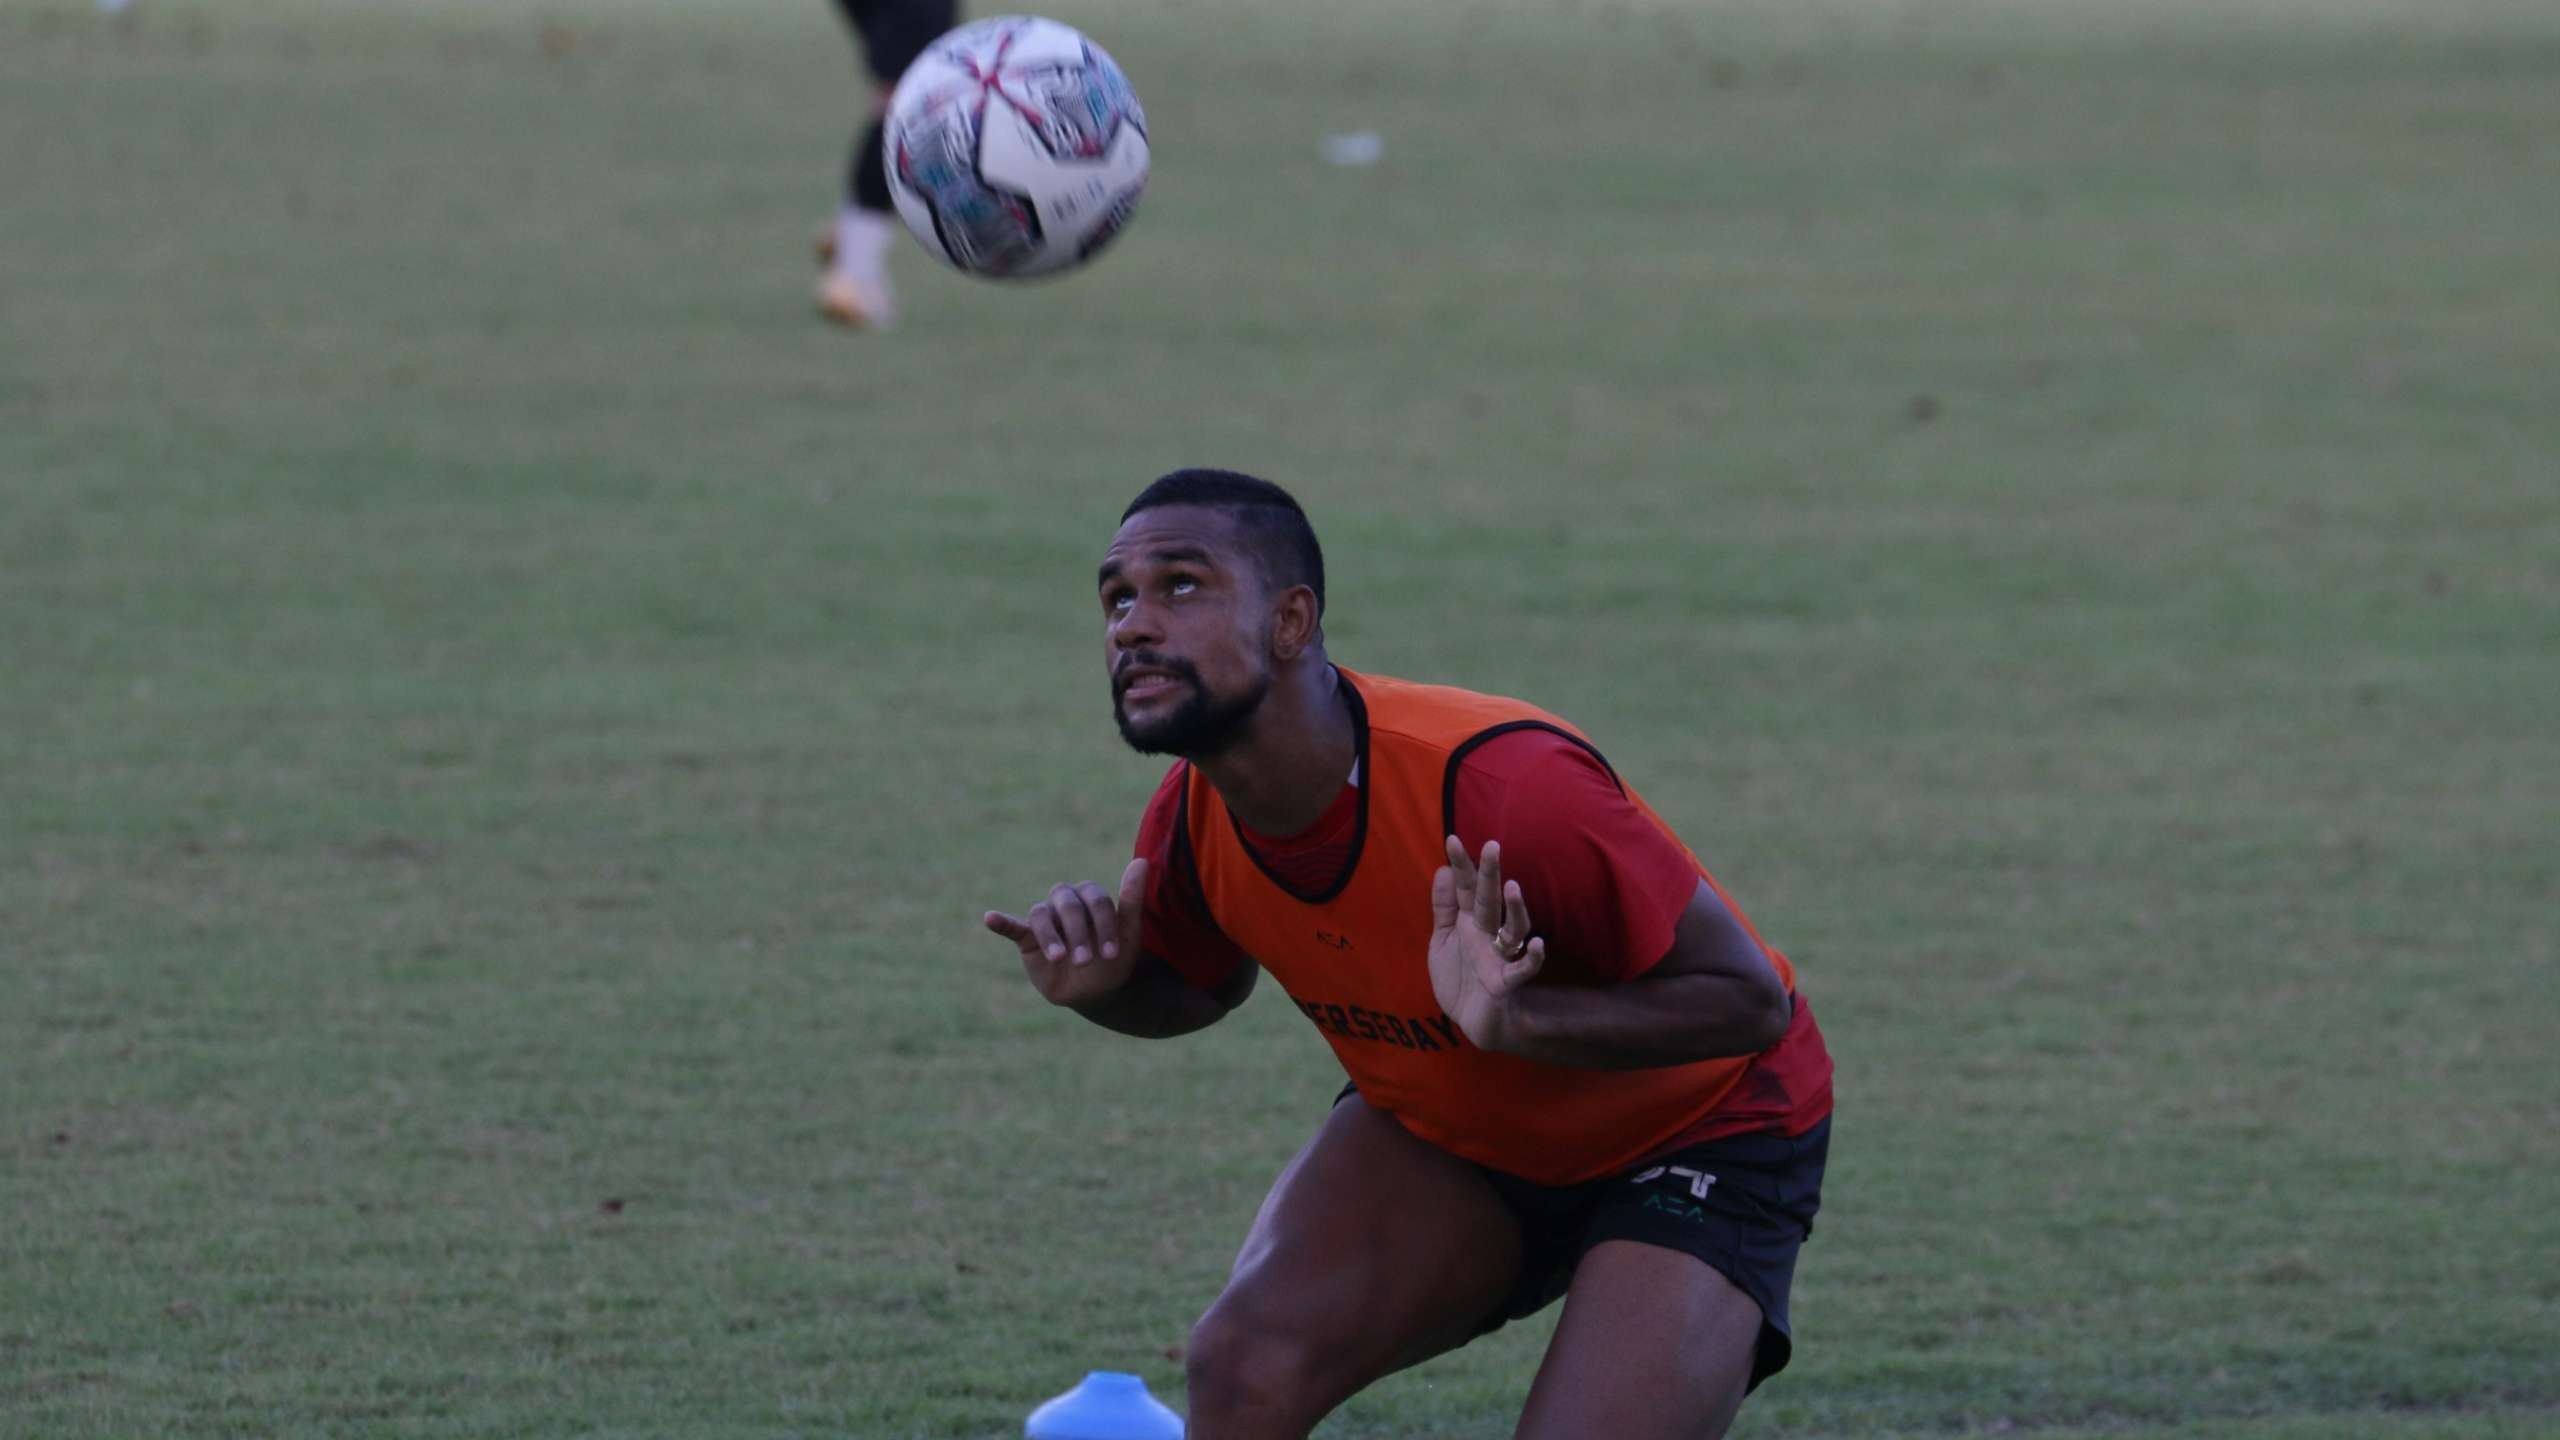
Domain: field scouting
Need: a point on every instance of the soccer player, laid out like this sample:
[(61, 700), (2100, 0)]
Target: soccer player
[(853, 255), (1576, 1070)]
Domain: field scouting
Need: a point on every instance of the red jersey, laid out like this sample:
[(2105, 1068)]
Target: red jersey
[(1606, 882)]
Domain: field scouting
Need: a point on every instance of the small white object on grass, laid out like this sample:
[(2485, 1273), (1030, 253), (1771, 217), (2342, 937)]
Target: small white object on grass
[(1360, 147)]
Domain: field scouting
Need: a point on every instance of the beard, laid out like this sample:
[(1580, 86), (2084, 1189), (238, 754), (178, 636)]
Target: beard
[(1203, 725)]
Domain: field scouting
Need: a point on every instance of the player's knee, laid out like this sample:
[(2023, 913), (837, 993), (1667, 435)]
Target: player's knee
[(1240, 1363)]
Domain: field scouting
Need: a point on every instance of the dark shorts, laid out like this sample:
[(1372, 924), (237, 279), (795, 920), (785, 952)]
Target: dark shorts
[(895, 32), (1743, 1204)]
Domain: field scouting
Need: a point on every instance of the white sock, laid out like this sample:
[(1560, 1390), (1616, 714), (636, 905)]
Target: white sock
[(863, 238)]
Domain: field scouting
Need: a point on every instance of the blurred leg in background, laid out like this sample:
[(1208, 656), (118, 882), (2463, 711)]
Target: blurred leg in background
[(853, 254)]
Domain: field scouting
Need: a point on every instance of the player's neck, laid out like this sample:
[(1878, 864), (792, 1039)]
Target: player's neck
[(1287, 770)]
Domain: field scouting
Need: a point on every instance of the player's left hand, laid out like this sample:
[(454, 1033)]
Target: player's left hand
[(1481, 948)]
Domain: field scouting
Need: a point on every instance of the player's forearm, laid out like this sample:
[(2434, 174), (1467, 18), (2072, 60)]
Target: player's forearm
[(1157, 1003), (1643, 1023)]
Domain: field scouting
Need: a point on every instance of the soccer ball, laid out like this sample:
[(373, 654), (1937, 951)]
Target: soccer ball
[(1015, 148)]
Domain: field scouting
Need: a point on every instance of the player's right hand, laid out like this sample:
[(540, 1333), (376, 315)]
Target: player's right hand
[(1079, 945)]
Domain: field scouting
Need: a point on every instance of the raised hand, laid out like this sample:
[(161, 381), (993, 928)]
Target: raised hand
[(1079, 945), (1481, 948)]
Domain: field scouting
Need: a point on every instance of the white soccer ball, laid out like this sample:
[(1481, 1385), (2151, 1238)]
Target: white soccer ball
[(1015, 148)]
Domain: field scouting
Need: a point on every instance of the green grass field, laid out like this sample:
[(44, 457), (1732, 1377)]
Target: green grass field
[(506, 724)]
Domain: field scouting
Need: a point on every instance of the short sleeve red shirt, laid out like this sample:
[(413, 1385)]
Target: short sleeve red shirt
[(1605, 886)]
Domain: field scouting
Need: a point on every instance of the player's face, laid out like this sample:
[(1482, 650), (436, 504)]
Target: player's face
[(1187, 632)]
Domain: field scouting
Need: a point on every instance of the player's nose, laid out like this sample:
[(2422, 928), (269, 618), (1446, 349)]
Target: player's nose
[(1135, 627)]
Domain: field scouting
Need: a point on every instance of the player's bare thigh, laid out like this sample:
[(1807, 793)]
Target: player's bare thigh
[(1373, 1252), (1654, 1345)]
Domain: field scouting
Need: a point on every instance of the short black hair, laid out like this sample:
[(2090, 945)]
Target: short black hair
[(1267, 519)]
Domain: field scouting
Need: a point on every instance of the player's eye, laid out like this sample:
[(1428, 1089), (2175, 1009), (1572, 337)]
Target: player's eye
[(1116, 599), (1182, 584)]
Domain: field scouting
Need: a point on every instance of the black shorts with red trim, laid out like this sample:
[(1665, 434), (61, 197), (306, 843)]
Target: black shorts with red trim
[(1743, 1204)]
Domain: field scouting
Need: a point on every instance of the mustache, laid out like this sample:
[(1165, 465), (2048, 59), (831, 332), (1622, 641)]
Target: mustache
[(1173, 665)]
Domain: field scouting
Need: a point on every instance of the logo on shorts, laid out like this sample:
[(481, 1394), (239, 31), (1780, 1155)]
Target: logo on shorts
[(1700, 1182), (1668, 1199), (1676, 1209)]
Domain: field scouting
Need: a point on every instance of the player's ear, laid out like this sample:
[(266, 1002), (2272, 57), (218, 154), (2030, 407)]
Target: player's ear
[(1294, 622)]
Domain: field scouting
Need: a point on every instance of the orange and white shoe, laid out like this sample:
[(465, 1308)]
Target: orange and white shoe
[(854, 305), (853, 266)]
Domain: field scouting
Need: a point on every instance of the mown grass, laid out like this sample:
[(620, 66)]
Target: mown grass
[(505, 724)]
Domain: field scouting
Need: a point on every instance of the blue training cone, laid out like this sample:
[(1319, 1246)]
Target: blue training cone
[(1106, 1406)]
